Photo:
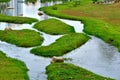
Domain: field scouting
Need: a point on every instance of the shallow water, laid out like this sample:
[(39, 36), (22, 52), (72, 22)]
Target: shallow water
[(98, 57), (95, 55), (35, 64)]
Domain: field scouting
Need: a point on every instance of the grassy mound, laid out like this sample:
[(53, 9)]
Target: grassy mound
[(23, 38), (54, 27), (17, 20), (100, 20), (12, 69), (65, 71), (62, 45)]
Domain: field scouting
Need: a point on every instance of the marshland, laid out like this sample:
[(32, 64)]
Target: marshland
[(85, 33)]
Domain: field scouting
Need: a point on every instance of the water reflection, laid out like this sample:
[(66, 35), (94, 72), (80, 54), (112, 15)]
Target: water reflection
[(107, 52), (2, 8), (52, 2), (95, 55), (98, 57), (35, 64), (14, 8), (19, 8), (45, 2)]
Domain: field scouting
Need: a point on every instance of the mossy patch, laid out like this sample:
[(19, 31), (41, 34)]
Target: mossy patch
[(22, 38), (12, 69), (66, 71), (17, 20), (62, 45), (54, 27)]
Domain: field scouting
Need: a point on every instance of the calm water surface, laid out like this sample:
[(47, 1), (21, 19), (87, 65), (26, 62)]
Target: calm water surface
[(95, 55), (98, 57)]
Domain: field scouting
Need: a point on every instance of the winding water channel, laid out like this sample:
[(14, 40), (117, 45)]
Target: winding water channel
[(95, 55)]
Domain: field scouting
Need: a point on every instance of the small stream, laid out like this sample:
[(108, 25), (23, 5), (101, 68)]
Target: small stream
[(35, 64), (95, 55), (98, 57)]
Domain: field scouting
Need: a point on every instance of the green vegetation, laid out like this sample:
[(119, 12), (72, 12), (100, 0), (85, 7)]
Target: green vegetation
[(100, 20), (23, 38), (103, 30), (54, 27), (30, 1), (12, 69), (4, 1), (43, 1), (95, 1), (17, 20), (62, 45), (66, 71)]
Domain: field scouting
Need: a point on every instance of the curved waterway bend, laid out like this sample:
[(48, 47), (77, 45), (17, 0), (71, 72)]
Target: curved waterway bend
[(98, 57), (95, 55), (35, 64)]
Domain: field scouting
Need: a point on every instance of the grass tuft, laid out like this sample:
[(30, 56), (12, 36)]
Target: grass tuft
[(12, 69), (16, 19), (66, 71), (22, 38), (62, 45), (54, 27)]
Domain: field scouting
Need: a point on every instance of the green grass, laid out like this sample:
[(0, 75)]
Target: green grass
[(54, 27), (64, 1), (99, 20), (62, 45), (4, 0), (17, 20), (12, 69), (22, 38), (66, 71), (103, 30)]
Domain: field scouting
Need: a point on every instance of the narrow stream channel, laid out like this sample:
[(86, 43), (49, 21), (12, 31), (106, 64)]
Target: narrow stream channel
[(95, 55), (98, 57), (35, 64)]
